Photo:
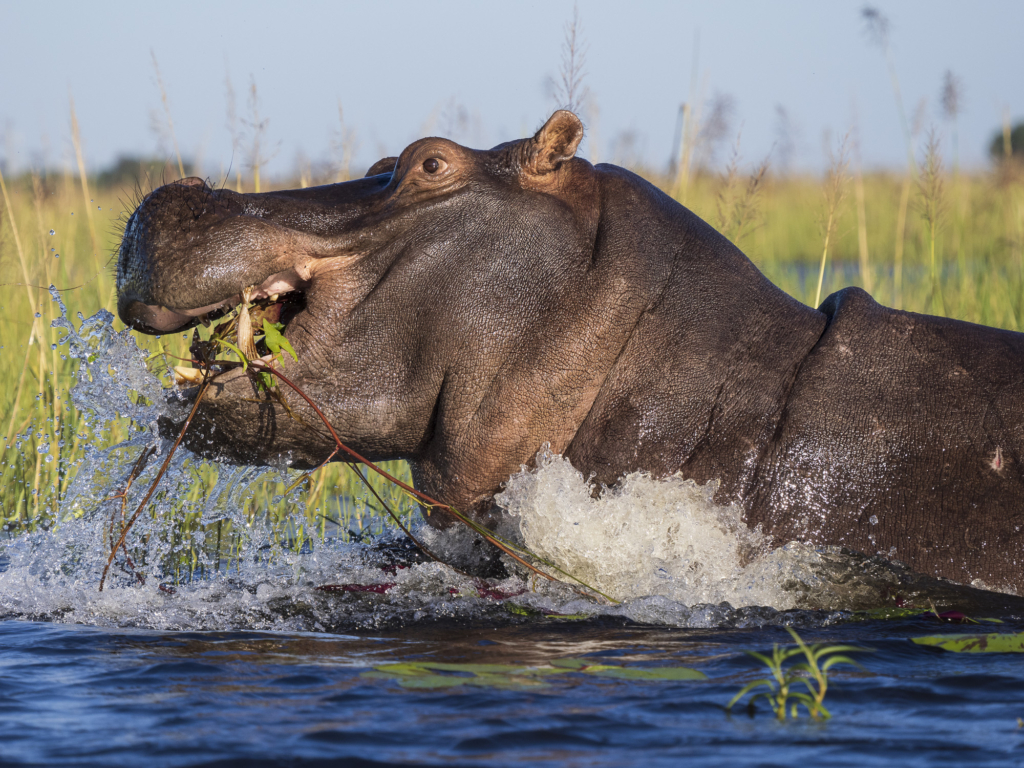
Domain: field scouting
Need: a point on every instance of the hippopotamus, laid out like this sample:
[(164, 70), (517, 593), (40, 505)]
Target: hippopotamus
[(459, 308)]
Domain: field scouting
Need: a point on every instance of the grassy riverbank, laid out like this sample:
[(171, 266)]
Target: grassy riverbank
[(936, 242)]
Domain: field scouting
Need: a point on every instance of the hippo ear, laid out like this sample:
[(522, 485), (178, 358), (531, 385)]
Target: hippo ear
[(553, 144), (384, 165)]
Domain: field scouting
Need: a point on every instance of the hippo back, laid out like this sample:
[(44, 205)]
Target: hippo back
[(903, 435)]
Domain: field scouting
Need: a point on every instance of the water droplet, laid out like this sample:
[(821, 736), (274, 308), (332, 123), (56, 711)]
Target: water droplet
[(38, 314), (53, 347), (873, 519), (56, 255), (53, 232)]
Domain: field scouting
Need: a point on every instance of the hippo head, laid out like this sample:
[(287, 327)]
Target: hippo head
[(423, 302)]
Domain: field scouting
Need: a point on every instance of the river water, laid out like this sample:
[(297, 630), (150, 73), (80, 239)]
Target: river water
[(359, 653)]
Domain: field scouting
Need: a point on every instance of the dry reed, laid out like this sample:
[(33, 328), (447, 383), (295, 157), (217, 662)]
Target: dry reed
[(834, 191)]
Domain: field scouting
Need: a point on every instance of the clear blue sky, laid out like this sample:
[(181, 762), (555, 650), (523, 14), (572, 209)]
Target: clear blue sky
[(402, 68)]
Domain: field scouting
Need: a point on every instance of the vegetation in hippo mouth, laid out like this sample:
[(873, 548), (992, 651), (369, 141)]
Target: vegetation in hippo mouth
[(278, 307), (276, 310)]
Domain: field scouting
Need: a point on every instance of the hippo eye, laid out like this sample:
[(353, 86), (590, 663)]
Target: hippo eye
[(433, 165)]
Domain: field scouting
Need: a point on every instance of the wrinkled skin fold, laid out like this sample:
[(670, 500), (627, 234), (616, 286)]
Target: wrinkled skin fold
[(458, 308)]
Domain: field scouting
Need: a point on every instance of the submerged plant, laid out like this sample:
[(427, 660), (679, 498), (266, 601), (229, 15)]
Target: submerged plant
[(812, 674)]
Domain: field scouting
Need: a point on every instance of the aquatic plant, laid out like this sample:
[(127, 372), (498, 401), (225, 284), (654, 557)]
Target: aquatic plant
[(812, 674), (975, 643), (441, 675)]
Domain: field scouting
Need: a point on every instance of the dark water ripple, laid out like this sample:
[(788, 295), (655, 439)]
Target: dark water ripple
[(75, 695)]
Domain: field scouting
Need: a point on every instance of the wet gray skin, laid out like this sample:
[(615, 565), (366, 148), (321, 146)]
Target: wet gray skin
[(458, 308)]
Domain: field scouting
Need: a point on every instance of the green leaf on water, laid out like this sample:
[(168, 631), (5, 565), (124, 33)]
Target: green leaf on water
[(431, 675), (974, 643), (479, 669), (569, 663), (644, 673), (276, 340), (391, 670), (432, 681), (426, 674)]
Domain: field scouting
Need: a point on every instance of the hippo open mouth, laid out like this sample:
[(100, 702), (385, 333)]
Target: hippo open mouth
[(280, 298)]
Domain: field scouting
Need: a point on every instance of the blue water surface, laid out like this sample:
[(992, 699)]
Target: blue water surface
[(80, 695)]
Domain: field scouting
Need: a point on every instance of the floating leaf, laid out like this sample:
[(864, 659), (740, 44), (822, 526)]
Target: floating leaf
[(432, 681), (644, 673), (430, 675), (443, 675), (401, 669), (479, 669), (972, 643), (569, 663)]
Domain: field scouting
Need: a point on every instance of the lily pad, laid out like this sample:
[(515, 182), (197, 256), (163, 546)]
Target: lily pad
[(975, 643)]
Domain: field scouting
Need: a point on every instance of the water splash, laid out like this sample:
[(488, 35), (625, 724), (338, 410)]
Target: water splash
[(646, 537), (663, 547)]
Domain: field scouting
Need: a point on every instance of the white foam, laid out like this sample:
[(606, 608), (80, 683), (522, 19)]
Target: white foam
[(646, 537)]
